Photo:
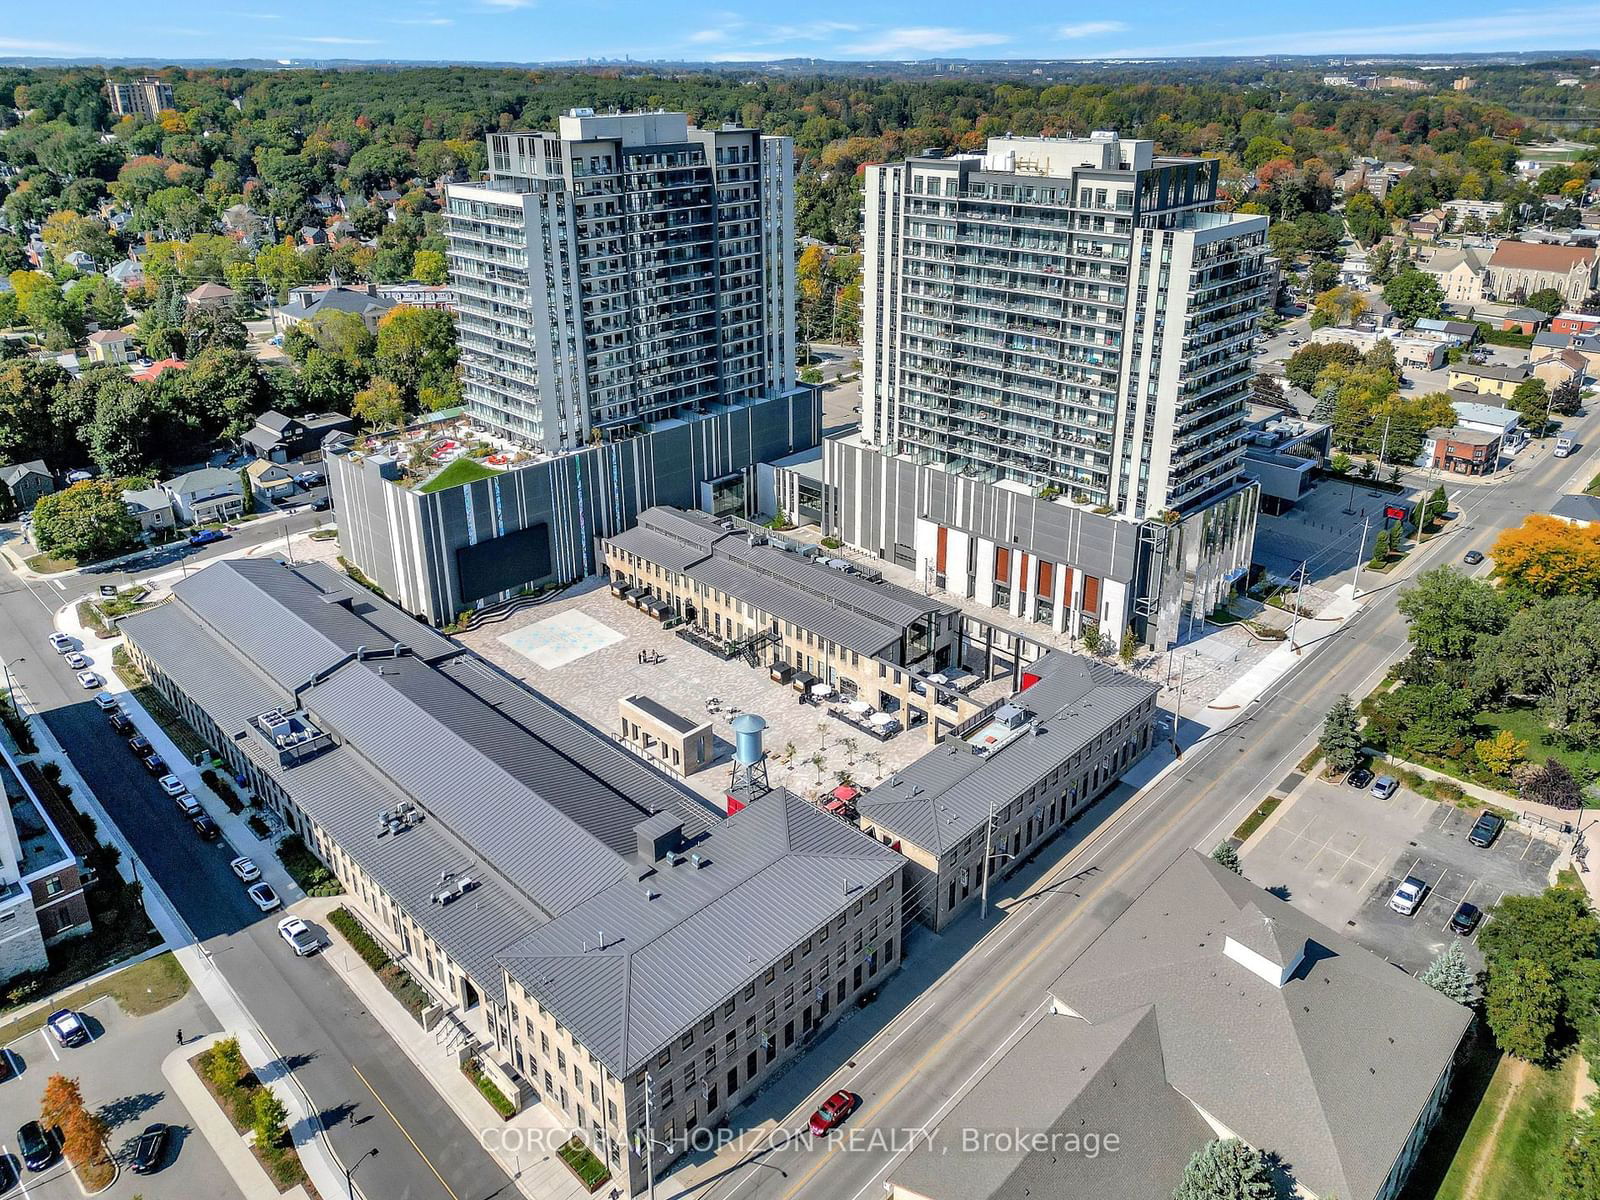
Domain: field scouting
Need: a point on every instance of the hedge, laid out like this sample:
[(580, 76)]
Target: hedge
[(362, 942), (496, 1098)]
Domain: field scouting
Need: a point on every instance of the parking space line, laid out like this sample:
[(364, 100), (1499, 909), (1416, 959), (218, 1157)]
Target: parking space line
[(45, 1035), (22, 1168), (1526, 848)]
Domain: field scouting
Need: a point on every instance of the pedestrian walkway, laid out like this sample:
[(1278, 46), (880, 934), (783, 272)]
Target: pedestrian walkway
[(213, 1124), (525, 1145)]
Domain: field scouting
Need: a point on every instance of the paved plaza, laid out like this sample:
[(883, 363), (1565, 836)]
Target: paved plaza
[(807, 749)]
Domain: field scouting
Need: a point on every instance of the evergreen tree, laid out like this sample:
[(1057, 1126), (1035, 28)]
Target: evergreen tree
[(1341, 739), (1227, 856), (1449, 975), (1225, 1170)]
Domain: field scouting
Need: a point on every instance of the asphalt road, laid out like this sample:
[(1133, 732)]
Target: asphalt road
[(314, 1021), (945, 1036)]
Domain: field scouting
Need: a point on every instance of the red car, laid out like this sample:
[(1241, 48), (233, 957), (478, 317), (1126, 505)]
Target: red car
[(833, 1112)]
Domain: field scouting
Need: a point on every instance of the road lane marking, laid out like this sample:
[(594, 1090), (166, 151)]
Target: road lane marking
[(405, 1133)]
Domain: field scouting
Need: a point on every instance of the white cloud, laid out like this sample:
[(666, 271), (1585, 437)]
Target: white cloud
[(421, 21), (1085, 29), (706, 37), (338, 41), (1513, 29), (508, 5), (765, 41), (23, 46), (921, 40)]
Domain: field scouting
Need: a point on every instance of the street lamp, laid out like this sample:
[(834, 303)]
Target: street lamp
[(350, 1171)]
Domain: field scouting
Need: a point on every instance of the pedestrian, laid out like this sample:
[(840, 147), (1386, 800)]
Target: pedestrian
[(180, 1037)]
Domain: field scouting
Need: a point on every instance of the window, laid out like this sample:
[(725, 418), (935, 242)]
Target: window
[(687, 1040)]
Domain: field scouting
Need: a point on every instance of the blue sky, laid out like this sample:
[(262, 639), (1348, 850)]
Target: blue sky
[(540, 30)]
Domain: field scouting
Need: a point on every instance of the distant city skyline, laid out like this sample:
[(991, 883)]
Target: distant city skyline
[(525, 31)]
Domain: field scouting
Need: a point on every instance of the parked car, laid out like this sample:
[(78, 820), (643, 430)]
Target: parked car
[(89, 681), (1488, 828), (151, 1148), (245, 869), (205, 537), (8, 1174), (309, 479), (833, 1113), (1359, 778), (171, 785), (105, 701), (1465, 919), (119, 721), (77, 660), (1385, 786), (205, 826), (263, 897), (187, 805), (155, 764), (299, 936), (68, 1027), (1472, 557), (1408, 895), (60, 643), (140, 745), (37, 1148)]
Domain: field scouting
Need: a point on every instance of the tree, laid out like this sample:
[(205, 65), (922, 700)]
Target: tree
[(1522, 1005), (225, 1064), (1129, 648), (380, 406), (1546, 556), (1413, 295), (1226, 1170), (1382, 547), (1550, 654), (87, 522), (1549, 783), (1450, 615), (1556, 929), (1501, 752), (1531, 400), (1092, 639), (269, 1118), (1449, 975), (1546, 300), (1308, 362), (416, 349), (83, 1141), (428, 266), (1341, 738), (30, 393), (1226, 855), (61, 1098)]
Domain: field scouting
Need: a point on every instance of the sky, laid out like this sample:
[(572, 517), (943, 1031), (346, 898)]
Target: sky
[(548, 30)]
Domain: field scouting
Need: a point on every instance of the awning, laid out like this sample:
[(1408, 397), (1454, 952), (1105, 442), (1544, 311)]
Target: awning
[(845, 792)]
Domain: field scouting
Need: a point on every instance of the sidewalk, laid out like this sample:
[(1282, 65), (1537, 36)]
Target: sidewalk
[(523, 1146), (213, 1125)]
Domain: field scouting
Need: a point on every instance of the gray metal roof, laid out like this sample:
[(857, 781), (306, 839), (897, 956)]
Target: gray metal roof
[(663, 714), (945, 795), (1331, 1071), (205, 477), (853, 631), (1578, 508)]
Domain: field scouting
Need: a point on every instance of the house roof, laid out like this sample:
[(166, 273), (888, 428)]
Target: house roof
[(108, 337), (1568, 358), (1331, 1071), (1537, 316), (210, 291), (15, 471), (157, 369), (1463, 435), (147, 500), (1485, 414), (1538, 256), (946, 794), (200, 480), (338, 299), (1512, 374), (1578, 508), (262, 467)]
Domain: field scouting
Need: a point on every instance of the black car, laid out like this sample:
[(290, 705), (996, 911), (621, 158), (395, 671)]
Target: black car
[(8, 1174), (38, 1148), (155, 764), (119, 723), (151, 1148), (1466, 919), (1486, 830), (1359, 778), (140, 745), (1472, 557), (205, 827)]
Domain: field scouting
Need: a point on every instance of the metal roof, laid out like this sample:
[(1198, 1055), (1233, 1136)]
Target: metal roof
[(660, 712), (851, 630), (946, 794)]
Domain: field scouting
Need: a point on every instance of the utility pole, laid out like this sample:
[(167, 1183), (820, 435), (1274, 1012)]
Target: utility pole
[(1294, 621), (1355, 575), (1177, 709), (988, 852), (1383, 444)]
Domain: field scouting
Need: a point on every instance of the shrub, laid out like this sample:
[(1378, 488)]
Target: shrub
[(225, 1065), (306, 868), (496, 1098), (269, 1119), (584, 1163), (362, 942), (1444, 789)]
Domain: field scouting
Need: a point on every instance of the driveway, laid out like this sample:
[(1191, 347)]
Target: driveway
[(120, 1074), (1338, 853)]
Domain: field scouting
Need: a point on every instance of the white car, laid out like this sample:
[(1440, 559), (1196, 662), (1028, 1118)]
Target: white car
[(89, 681), (105, 701), (60, 643), (78, 661), (246, 870), (299, 936), (1408, 895), (264, 898), (172, 785)]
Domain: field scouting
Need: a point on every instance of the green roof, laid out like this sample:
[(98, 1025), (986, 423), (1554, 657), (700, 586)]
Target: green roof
[(463, 470)]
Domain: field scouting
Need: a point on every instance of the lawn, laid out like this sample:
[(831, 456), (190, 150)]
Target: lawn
[(140, 990), (463, 470), (1253, 822), (1594, 487), (1526, 724), (44, 564), (1511, 1148)]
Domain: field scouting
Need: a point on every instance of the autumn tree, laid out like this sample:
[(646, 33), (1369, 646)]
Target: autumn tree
[(61, 1098), (380, 406), (1501, 752), (1546, 556)]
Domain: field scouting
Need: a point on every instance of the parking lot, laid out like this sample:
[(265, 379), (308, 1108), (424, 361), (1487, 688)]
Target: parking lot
[(1339, 852), (119, 1071)]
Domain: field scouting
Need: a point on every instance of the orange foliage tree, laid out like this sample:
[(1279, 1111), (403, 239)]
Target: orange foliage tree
[(1546, 556)]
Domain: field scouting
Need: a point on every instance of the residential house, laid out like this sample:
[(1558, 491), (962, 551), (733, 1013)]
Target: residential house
[(28, 481), (152, 508), (126, 274), (270, 482), (209, 297), (1471, 413), (159, 368), (1578, 509), (280, 439), (1575, 323), (1559, 367), (1519, 269), (1461, 451), (209, 494), (1490, 379), (1524, 320), (110, 347), (1459, 272), (79, 261), (1208, 1009), (1429, 225), (313, 235), (240, 222), (308, 303), (1462, 333)]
